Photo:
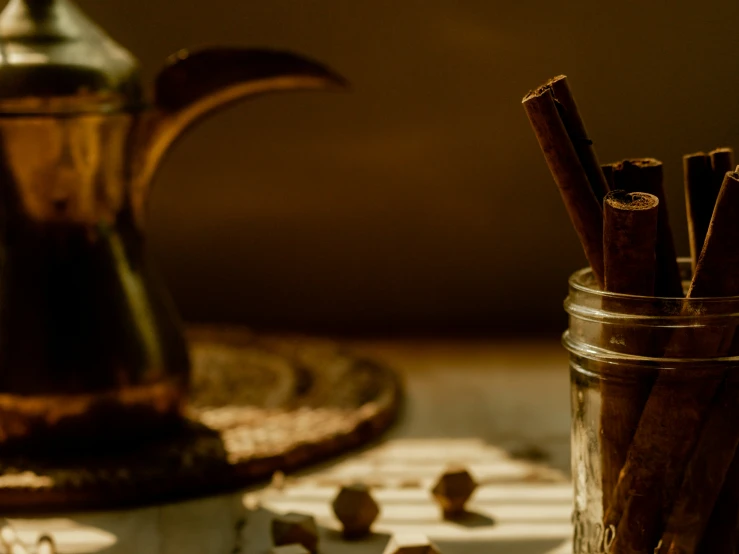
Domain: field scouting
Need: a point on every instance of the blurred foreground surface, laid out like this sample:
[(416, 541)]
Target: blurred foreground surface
[(501, 409)]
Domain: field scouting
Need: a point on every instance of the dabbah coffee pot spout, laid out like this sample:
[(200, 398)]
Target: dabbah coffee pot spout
[(194, 85), (90, 343)]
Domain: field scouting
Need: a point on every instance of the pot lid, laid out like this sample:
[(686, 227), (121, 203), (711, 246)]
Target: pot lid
[(53, 59)]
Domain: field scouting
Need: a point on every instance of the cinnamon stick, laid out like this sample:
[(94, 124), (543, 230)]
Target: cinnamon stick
[(722, 534), (717, 271), (722, 161), (708, 487), (703, 175), (583, 145), (545, 115), (629, 243), (705, 478), (608, 170), (665, 437), (663, 462), (699, 200), (646, 175)]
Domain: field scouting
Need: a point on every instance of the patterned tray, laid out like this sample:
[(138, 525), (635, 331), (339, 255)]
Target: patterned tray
[(258, 405)]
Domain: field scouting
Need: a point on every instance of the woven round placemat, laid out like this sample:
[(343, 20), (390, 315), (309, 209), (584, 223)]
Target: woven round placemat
[(257, 405)]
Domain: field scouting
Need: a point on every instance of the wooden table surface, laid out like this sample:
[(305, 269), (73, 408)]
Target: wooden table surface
[(500, 408)]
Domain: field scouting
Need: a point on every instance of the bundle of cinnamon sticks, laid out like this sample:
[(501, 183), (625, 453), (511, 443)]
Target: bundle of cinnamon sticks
[(669, 457)]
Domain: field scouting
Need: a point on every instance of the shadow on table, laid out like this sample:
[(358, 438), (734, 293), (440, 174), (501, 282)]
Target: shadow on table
[(472, 520), (257, 540)]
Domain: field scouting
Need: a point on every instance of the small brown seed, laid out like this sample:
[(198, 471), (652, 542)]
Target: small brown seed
[(453, 490), (356, 510)]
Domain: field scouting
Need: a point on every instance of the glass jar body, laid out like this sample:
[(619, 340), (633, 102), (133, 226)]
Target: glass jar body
[(655, 422)]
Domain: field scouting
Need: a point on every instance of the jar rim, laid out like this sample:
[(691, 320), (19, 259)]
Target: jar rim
[(605, 325), (583, 281)]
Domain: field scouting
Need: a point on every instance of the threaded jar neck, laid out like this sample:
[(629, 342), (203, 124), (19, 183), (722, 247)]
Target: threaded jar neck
[(616, 326)]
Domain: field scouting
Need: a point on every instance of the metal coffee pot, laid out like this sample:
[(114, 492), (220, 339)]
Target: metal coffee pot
[(91, 347)]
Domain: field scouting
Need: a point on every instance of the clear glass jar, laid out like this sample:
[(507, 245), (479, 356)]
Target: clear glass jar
[(655, 421)]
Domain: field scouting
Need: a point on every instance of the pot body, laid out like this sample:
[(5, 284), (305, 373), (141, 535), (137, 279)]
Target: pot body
[(90, 344)]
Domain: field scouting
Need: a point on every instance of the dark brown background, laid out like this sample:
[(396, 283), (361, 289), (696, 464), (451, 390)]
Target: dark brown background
[(420, 201)]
